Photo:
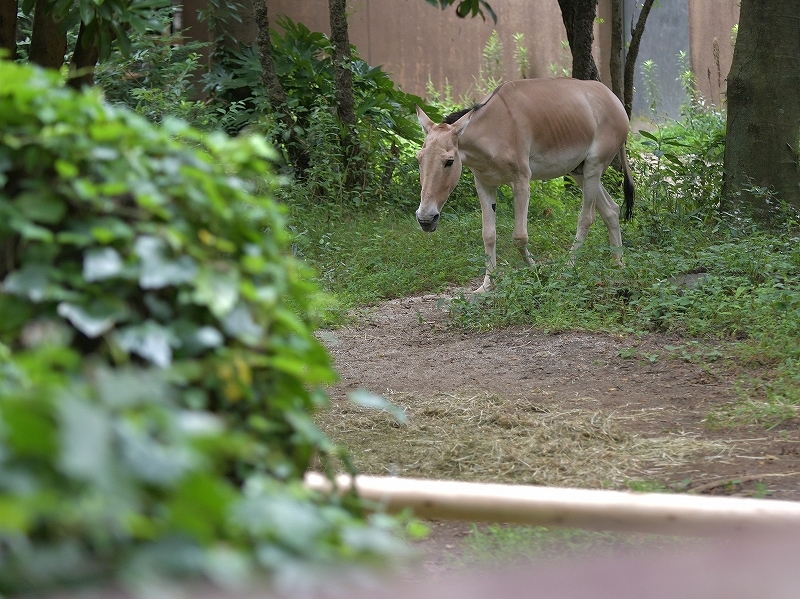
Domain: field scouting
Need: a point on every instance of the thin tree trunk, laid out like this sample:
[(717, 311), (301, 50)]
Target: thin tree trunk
[(578, 17), (633, 54), (84, 60), (345, 103), (617, 42), (8, 27), (761, 141), (297, 154), (275, 92), (48, 41)]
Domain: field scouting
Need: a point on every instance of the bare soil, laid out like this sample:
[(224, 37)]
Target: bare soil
[(633, 391)]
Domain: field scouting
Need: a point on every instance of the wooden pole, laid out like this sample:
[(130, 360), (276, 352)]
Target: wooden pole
[(662, 513)]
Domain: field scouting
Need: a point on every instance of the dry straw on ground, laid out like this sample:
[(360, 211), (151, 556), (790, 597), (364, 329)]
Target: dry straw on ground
[(486, 438)]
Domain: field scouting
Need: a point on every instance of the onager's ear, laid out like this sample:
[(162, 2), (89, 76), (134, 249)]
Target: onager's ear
[(462, 123), (424, 120)]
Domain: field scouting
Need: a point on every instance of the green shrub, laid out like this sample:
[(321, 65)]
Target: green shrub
[(157, 365)]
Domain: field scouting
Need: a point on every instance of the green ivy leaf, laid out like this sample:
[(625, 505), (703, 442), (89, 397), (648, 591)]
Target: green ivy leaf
[(41, 207), (219, 290), (85, 434), (157, 271), (101, 263), (150, 340), (92, 322)]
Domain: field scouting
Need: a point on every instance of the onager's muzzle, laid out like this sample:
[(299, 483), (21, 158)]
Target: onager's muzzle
[(428, 222)]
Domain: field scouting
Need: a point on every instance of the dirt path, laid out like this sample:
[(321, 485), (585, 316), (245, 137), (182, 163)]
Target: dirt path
[(405, 350)]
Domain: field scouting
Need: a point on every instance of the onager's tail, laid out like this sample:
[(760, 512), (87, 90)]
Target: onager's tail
[(627, 184)]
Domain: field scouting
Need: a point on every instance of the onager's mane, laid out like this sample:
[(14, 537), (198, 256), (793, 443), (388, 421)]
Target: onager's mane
[(454, 116)]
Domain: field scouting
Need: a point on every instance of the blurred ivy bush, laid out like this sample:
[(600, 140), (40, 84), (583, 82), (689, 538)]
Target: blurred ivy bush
[(157, 365)]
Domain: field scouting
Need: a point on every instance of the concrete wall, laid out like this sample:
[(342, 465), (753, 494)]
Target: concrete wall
[(710, 26), (416, 42)]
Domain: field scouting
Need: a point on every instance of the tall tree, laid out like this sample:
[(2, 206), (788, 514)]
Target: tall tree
[(345, 103), (617, 44), (8, 27), (48, 38), (761, 141), (578, 17), (296, 151)]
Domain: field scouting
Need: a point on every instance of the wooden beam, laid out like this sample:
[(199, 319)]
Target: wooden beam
[(662, 513)]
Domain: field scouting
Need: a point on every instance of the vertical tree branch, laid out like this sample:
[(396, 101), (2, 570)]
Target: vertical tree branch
[(633, 53), (84, 59), (617, 41)]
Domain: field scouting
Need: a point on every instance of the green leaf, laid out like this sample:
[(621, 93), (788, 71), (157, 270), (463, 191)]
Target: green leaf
[(157, 271), (85, 434), (130, 387), (239, 323), (149, 340), (219, 290), (94, 320), (14, 514), (41, 207), (101, 263), (31, 281), (365, 399), (648, 135)]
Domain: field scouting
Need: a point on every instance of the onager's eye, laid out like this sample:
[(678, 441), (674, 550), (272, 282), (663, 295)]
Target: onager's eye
[(448, 163)]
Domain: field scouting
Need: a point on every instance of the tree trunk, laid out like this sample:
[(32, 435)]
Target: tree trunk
[(84, 60), (633, 54), (48, 41), (297, 154), (275, 92), (761, 142), (617, 43), (578, 17), (8, 27), (345, 104)]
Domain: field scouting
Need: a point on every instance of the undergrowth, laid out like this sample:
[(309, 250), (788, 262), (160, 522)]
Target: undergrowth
[(690, 270)]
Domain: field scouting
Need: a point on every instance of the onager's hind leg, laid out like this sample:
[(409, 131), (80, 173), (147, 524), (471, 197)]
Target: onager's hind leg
[(609, 212), (596, 196), (590, 188)]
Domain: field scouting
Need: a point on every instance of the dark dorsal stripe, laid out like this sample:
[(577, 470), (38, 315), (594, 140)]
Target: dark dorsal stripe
[(454, 116)]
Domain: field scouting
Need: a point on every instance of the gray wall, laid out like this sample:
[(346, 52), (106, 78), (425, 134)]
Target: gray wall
[(666, 34)]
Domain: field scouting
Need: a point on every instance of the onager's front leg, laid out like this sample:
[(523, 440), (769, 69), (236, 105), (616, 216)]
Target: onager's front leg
[(487, 196), (522, 197)]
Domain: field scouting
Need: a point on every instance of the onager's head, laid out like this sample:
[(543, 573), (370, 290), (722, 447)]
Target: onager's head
[(439, 166)]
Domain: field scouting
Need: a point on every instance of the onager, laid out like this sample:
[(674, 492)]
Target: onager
[(524, 130)]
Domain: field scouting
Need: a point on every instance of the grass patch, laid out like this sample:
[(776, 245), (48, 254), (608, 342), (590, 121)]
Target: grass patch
[(487, 438), (377, 254), (501, 545), (690, 271)]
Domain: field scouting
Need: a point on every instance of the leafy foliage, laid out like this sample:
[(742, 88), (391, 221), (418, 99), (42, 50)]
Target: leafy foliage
[(107, 22), (303, 61), (472, 8), (158, 365), (157, 77)]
